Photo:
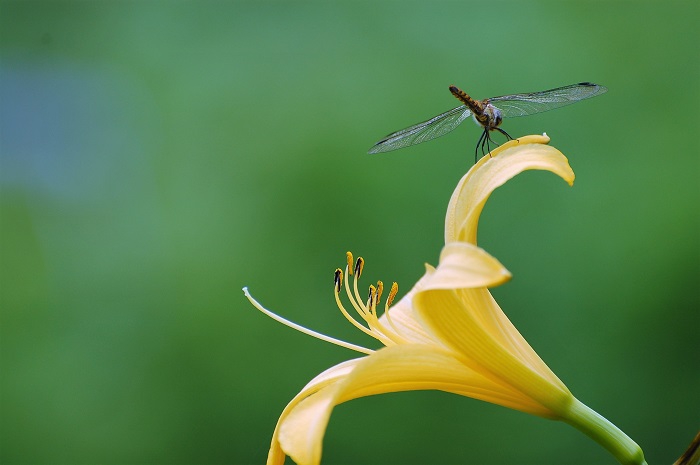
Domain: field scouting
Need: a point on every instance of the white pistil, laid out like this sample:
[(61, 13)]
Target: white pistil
[(304, 330)]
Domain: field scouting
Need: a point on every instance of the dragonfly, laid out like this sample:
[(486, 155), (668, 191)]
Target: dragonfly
[(487, 113)]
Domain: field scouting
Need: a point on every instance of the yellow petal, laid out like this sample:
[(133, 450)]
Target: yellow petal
[(511, 158), (391, 369), (464, 265), (484, 309), (276, 455), (301, 432), (492, 343)]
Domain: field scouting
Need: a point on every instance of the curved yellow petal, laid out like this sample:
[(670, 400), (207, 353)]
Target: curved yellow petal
[(492, 343), (511, 158), (391, 369), (484, 309), (464, 265), (327, 378), (301, 433)]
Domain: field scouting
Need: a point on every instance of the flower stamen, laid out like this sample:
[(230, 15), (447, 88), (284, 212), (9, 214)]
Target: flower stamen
[(361, 308), (345, 313), (371, 301), (390, 300), (359, 266), (392, 293), (355, 300), (338, 279), (368, 311), (388, 336)]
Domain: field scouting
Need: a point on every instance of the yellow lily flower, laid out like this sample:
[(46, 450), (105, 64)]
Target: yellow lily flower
[(447, 333)]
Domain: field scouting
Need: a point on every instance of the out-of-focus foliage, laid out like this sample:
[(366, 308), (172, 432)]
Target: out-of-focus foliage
[(157, 156)]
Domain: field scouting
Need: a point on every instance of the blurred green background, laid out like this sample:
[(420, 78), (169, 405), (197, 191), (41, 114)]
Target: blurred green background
[(155, 157)]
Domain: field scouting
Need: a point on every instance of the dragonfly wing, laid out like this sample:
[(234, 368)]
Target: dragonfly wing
[(421, 132), (537, 102)]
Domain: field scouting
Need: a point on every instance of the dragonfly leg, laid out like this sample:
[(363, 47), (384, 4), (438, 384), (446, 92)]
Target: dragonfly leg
[(485, 142), (480, 142), (504, 133)]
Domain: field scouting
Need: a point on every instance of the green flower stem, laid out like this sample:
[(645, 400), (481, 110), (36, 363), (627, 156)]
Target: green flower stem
[(589, 422)]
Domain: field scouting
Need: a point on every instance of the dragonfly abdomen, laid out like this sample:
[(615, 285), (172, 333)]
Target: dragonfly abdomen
[(474, 105)]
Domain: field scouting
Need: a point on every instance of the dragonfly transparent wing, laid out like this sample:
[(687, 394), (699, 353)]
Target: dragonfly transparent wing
[(421, 132), (536, 102)]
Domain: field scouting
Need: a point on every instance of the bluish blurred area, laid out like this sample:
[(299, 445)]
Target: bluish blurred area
[(156, 157)]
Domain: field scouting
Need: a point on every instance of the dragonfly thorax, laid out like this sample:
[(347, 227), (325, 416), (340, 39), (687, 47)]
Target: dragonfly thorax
[(489, 118)]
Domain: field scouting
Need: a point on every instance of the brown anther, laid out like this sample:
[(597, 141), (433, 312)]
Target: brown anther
[(350, 260), (392, 293), (380, 289), (359, 266), (372, 295), (338, 279)]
